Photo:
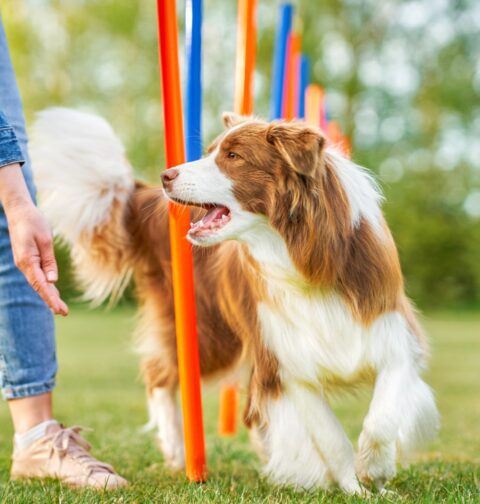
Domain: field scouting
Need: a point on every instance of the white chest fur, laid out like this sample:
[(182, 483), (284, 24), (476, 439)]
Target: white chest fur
[(313, 334), (316, 339), (310, 335)]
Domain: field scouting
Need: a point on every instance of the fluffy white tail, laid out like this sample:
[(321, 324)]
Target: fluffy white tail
[(84, 182)]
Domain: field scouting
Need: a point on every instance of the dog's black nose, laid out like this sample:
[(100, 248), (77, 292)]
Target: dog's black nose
[(168, 176)]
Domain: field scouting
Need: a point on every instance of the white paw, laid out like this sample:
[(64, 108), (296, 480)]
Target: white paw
[(353, 487), (170, 440), (375, 463), (165, 416), (173, 453), (390, 495)]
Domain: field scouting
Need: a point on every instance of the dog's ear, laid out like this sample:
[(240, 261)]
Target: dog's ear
[(301, 146), (231, 119)]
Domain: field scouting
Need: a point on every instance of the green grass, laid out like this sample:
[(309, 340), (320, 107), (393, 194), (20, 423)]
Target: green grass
[(99, 386)]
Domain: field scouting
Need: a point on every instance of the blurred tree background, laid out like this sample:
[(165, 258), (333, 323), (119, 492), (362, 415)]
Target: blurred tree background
[(402, 78)]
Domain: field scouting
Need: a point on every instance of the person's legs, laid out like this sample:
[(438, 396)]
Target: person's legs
[(30, 411), (43, 447), (27, 342)]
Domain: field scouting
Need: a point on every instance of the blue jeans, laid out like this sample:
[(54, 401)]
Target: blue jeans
[(28, 362)]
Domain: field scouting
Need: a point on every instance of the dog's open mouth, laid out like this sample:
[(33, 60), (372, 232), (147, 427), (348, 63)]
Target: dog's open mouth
[(215, 219)]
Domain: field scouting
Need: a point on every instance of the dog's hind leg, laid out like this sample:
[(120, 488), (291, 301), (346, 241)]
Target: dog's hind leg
[(165, 418), (165, 415)]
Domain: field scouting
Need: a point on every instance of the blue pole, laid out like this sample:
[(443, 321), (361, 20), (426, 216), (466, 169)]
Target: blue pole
[(279, 60), (303, 83), (193, 97)]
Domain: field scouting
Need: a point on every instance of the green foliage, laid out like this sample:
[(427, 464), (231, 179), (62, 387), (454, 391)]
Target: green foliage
[(438, 244), (402, 78), (98, 388)]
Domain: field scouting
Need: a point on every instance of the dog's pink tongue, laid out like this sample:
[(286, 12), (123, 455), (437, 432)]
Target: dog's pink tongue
[(214, 214), (215, 219)]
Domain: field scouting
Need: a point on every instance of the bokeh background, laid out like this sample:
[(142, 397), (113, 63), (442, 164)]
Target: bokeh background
[(402, 78)]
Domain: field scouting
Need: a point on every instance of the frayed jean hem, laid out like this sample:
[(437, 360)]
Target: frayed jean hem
[(22, 391)]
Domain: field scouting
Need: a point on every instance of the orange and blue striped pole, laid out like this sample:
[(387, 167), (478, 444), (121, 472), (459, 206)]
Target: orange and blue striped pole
[(243, 105), (181, 251)]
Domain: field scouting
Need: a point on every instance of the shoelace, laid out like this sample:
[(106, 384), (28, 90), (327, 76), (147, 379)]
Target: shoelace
[(68, 440)]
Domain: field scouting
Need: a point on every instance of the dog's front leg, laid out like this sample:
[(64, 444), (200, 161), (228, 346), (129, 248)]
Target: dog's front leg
[(403, 413), (376, 458), (327, 436), (292, 457)]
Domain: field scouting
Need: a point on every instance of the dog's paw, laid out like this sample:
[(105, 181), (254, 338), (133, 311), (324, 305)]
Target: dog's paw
[(375, 463), (390, 495), (173, 453), (175, 458), (353, 487), (170, 442)]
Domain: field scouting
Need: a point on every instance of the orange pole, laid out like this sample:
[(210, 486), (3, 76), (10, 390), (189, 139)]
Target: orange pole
[(227, 425), (181, 251), (315, 115), (243, 104), (313, 104), (245, 60), (291, 77), (347, 147), (337, 138), (323, 113), (334, 133)]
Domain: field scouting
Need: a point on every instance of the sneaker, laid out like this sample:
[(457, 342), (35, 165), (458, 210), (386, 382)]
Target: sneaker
[(63, 454)]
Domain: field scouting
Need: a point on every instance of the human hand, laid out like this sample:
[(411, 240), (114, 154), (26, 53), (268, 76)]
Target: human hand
[(33, 253), (30, 237)]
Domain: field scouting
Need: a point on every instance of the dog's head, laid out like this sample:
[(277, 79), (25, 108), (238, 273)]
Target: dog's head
[(276, 176)]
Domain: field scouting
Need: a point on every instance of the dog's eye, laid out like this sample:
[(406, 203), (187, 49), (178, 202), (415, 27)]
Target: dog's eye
[(232, 155)]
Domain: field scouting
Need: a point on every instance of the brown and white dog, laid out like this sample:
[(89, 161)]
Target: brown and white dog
[(301, 278)]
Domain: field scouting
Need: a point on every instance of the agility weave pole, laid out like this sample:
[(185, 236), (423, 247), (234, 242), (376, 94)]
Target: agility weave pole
[(181, 251), (292, 95), (245, 58), (292, 77), (303, 81), (314, 107), (279, 61), (193, 95), (243, 105)]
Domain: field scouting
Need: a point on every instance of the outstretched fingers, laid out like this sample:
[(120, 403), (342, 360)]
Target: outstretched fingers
[(46, 290)]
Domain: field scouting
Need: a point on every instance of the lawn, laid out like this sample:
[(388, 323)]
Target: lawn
[(99, 387)]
